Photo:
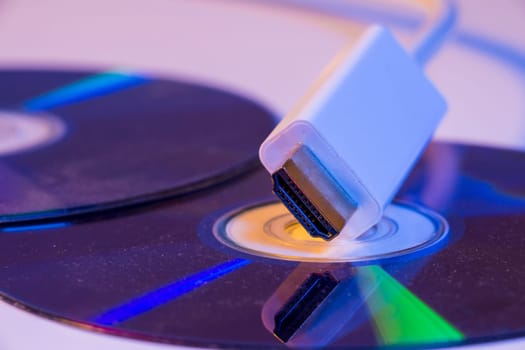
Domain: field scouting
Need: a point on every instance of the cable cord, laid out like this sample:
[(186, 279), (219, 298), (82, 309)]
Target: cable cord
[(433, 39)]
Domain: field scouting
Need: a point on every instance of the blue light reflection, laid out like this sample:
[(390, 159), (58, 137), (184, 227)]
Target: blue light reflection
[(165, 294), (16, 229), (92, 86)]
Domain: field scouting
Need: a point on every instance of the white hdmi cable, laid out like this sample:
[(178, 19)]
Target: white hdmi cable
[(339, 157)]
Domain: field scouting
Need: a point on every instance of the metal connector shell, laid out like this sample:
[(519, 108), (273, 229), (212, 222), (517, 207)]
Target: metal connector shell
[(312, 195)]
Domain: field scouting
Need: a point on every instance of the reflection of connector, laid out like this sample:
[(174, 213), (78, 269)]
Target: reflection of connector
[(340, 156), (302, 303), (315, 306), (312, 195)]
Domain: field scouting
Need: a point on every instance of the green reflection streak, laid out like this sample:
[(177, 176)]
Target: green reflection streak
[(399, 316)]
